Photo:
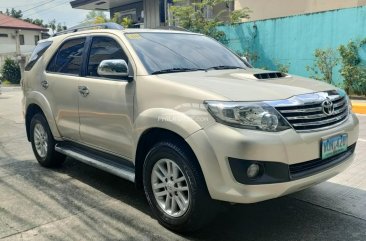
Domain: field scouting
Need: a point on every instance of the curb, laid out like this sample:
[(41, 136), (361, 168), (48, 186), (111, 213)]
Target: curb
[(359, 108)]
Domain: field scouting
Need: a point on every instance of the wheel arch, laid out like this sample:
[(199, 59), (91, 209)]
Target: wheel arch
[(37, 103), (151, 137)]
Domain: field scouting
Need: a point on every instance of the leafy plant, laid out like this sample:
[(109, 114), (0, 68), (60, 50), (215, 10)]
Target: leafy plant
[(194, 17), (353, 73), (283, 68), (11, 71), (323, 67), (125, 22), (252, 57)]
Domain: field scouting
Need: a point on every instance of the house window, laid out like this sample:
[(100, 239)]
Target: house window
[(3, 35), (21, 39), (36, 39)]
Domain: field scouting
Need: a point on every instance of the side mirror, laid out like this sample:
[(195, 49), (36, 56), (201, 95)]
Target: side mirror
[(113, 68)]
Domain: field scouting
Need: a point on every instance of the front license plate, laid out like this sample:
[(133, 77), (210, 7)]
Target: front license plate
[(334, 145)]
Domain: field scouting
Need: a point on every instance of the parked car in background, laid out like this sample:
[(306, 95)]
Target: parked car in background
[(184, 118)]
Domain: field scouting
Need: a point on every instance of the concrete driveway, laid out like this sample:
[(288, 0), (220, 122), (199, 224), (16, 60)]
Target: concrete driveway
[(78, 202)]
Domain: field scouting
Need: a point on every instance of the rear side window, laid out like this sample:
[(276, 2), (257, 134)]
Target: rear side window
[(37, 54), (69, 57)]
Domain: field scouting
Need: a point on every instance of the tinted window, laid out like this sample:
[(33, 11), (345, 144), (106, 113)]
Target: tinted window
[(36, 39), (21, 39), (68, 59), (162, 51), (103, 48), (37, 54)]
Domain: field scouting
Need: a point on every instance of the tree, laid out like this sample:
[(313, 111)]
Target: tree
[(94, 15), (14, 13), (194, 17), (52, 25), (36, 21), (323, 67), (353, 72), (125, 22)]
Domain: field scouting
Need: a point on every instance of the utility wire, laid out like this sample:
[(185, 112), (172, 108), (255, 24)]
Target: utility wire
[(53, 7), (40, 5)]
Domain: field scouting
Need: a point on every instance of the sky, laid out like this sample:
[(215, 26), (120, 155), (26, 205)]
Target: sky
[(47, 10)]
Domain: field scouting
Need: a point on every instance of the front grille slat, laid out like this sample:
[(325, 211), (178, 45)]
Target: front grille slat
[(310, 116), (339, 103), (323, 122), (301, 110)]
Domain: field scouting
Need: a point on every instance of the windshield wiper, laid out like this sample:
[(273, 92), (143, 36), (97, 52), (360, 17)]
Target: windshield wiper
[(175, 70), (224, 67)]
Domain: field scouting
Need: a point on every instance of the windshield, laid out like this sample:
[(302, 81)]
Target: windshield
[(179, 52)]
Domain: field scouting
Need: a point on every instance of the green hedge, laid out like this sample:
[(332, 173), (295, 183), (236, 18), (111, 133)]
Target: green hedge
[(11, 71)]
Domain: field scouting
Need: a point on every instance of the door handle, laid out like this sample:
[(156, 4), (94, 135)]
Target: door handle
[(44, 84), (84, 91)]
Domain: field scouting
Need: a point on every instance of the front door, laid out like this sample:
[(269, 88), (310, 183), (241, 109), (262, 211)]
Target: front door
[(106, 104)]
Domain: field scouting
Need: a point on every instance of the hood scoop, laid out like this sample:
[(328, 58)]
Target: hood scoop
[(270, 75)]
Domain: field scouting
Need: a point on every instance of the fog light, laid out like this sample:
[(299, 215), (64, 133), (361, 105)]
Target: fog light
[(253, 170)]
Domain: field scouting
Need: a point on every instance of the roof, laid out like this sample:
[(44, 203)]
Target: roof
[(14, 23)]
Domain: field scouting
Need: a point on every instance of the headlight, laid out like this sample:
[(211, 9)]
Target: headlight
[(247, 115)]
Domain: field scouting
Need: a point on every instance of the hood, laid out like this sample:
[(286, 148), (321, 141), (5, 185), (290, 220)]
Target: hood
[(248, 85)]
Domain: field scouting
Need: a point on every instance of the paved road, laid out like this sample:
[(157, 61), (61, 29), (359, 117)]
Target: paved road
[(78, 202)]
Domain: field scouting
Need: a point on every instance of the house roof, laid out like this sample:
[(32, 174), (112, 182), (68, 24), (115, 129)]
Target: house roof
[(14, 23)]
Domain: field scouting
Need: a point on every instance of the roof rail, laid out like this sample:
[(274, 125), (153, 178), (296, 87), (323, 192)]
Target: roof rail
[(109, 25)]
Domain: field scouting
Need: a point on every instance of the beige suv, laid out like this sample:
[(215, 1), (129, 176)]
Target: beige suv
[(184, 118)]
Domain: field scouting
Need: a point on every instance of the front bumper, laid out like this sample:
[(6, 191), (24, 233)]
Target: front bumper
[(217, 144)]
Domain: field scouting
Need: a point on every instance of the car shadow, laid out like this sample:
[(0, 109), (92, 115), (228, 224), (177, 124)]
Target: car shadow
[(79, 188), (286, 218)]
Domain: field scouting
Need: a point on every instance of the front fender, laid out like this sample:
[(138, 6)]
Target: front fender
[(167, 119), (37, 98)]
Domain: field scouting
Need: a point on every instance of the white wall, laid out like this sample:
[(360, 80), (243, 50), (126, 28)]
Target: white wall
[(8, 44)]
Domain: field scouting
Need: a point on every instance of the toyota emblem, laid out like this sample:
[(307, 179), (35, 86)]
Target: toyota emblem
[(328, 107)]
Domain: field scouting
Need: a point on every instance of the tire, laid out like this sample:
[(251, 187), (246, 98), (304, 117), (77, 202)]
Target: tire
[(181, 217), (43, 144)]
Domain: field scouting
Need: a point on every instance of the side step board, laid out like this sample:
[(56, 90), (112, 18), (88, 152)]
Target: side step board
[(105, 162)]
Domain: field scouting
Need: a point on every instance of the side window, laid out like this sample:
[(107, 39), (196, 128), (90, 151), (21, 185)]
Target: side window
[(21, 39), (37, 54), (103, 48), (69, 57), (36, 39)]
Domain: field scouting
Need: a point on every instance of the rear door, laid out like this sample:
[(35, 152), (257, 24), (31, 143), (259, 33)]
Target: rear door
[(61, 86), (106, 104)]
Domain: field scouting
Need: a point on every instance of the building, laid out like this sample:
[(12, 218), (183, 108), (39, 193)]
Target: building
[(144, 13), (264, 9), (152, 17), (17, 37)]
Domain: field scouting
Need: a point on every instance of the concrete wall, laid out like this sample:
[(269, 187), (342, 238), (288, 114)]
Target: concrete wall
[(294, 39), (265, 9), (152, 13), (8, 44)]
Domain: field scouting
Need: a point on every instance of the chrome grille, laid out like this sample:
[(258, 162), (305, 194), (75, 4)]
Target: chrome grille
[(311, 116)]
